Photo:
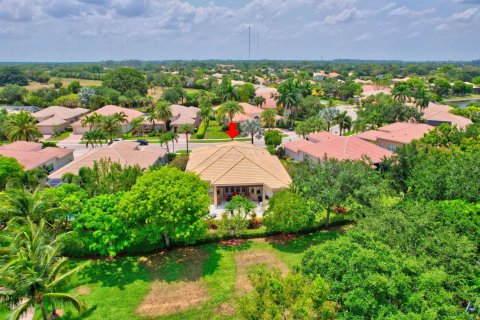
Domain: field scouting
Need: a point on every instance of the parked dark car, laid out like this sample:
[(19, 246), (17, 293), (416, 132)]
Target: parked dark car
[(142, 142)]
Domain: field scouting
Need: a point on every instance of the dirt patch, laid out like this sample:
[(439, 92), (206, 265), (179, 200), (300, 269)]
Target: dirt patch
[(246, 260), (177, 284), (83, 290), (225, 309)]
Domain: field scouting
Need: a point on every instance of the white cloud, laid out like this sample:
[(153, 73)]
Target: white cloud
[(364, 37), (346, 15), (464, 16), (404, 11)]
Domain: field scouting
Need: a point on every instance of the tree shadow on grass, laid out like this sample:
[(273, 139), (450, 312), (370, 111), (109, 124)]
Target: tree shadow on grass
[(302, 243), (118, 273)]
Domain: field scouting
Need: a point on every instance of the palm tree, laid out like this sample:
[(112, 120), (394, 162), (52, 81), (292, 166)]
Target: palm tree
[(227, 90), (289, 95), (109, 125), (21, 126), (163, 112), (230, 108), (34, 271), (206, 109), (422, 100), (344, 121), (90, 120), (186, 128), (328, 115), (260, 101), (401, 91), (22, 203), (253, 128), (137, 124), (269, 117)]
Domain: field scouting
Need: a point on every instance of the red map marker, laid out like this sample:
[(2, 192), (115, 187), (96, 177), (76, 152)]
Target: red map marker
[(232, 130)]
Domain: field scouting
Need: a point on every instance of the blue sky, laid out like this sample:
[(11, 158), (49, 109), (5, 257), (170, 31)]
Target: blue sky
[(93, 30)]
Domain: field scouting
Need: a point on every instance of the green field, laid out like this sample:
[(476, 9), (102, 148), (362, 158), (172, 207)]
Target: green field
[(200, 282)]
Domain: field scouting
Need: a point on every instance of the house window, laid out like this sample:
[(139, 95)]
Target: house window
[(391, 147)]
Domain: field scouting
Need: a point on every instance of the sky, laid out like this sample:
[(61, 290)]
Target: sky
[(96, 30)]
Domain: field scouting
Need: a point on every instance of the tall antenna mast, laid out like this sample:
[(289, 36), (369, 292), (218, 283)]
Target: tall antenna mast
[(258, 44), (248, 43)]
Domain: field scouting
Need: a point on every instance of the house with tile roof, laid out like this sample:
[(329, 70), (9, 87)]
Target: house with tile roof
[(395, 135), (323, 145), (31, 155), (127, 153), (56, 119), (109, 110), (436, 114), (239, 168)]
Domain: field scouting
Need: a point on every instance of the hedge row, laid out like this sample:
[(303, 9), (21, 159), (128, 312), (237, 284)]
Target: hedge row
[(202, 129), (75, 248)]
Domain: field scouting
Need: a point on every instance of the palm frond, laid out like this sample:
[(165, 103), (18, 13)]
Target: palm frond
[(66, 299), (20, 310)]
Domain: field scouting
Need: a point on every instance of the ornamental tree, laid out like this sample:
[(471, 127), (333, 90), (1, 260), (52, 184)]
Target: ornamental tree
[(100, 226), (167, 204), (287, 212)]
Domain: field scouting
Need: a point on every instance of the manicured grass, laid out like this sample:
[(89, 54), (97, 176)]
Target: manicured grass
[(62, 136), (215, 131), (459, 98), (114, 290)]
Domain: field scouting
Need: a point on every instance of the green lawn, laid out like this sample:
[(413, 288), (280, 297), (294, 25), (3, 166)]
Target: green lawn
[(215, 131), (114, 290), (60, 137), (466, 97)]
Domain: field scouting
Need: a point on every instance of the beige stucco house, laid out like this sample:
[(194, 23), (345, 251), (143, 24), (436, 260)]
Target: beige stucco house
[(239, 168), (56, 119)]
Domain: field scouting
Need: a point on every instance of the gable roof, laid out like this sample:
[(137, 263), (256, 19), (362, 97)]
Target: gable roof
[(238, 163), (401, 132), (347, 148), (440, 113), (127, 153), (59, 112), (31, 155)]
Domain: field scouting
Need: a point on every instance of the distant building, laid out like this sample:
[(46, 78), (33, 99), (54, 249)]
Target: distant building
[(371, 90), (239, 168), (395, 135), (56, 119), (267, 93), (327, 145), (16, 109), (127, 153), (31, 155)]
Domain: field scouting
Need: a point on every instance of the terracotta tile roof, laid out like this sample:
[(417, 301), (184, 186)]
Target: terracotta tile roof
[(323, 136), (111, 109), (237, 164), (53, 121), (369, 89), (126, 153), (370, 135), (251, 109), (270, 102), (31, 155), (401, 132), (182, 114), (59, 112), (440, 113), (296, 145), (342, 148)]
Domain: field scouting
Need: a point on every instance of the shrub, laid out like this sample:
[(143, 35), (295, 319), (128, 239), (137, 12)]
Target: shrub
[(202, 129), (179, 162), (273, 138), (288, 212)]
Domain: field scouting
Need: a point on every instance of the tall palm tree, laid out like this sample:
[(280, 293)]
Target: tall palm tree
[(186, 128), (328, 115), (401, 91), (21, 126), (33, 270), (230, 108), (227, 90), (163, 112), (90, 121), (344, 121), (137, 124), (289, 96), (269, 117)]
